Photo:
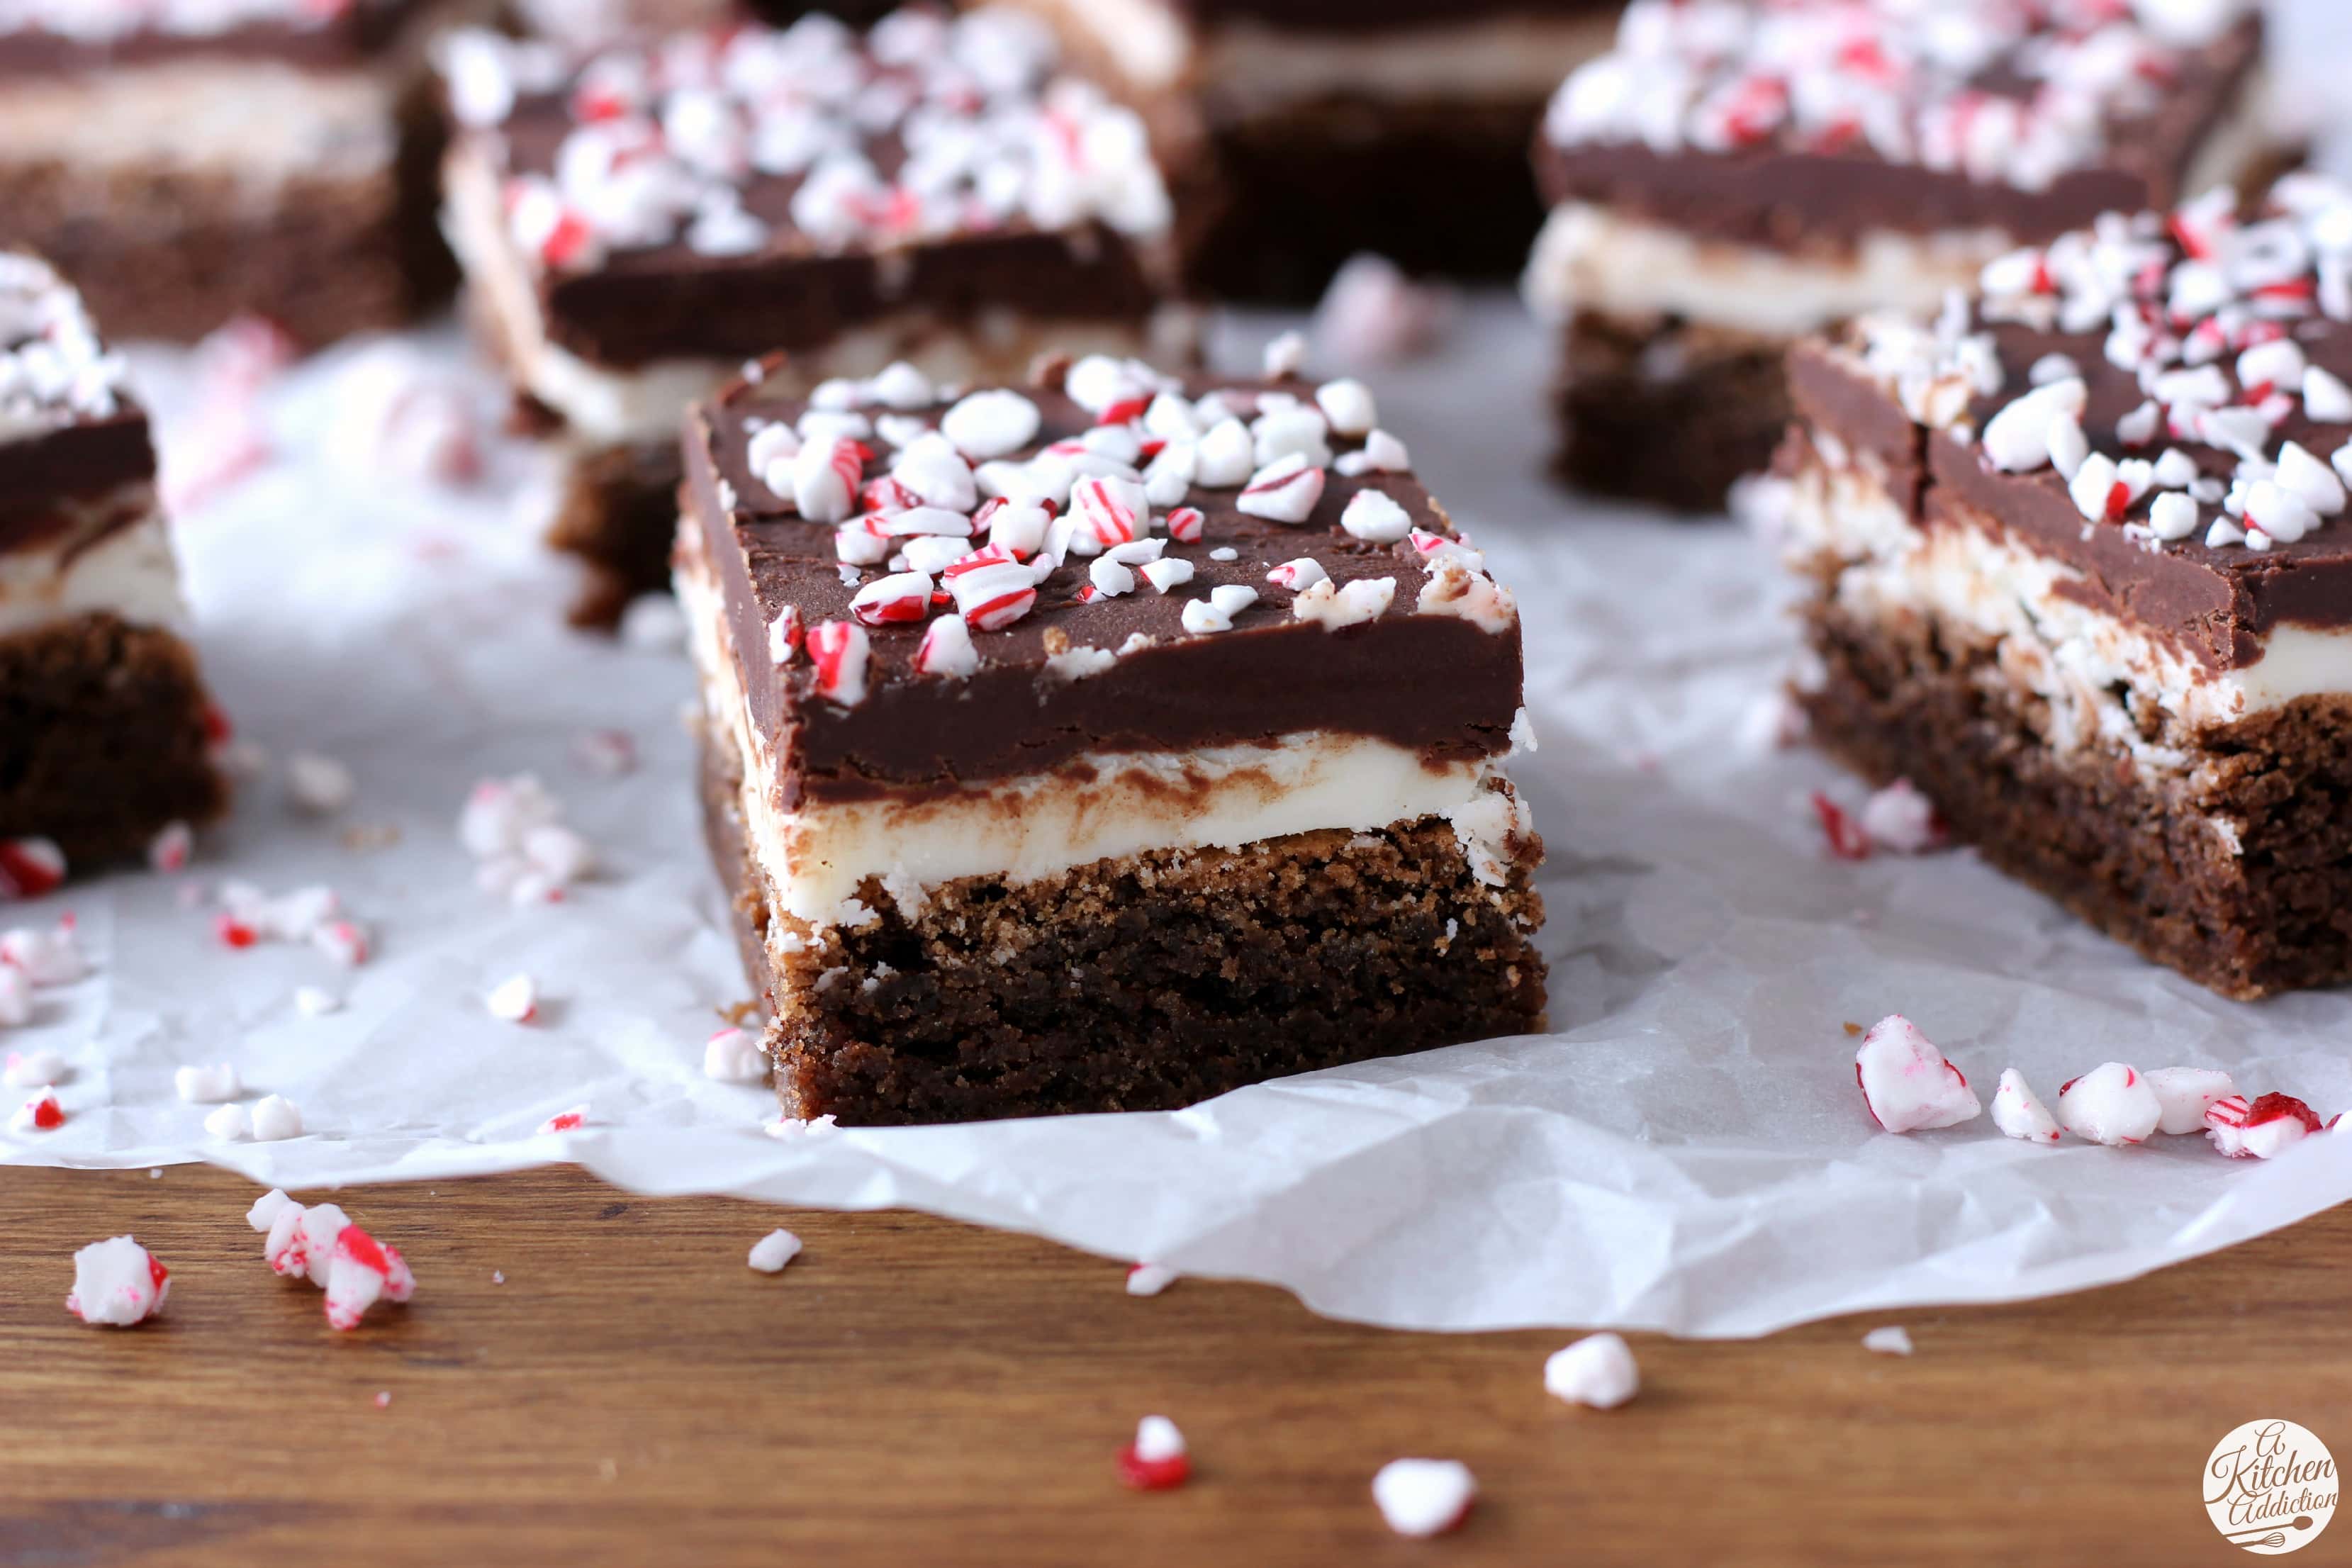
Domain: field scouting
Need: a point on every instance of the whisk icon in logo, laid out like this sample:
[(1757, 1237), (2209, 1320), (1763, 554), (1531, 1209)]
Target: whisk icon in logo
[(2269, 1487)]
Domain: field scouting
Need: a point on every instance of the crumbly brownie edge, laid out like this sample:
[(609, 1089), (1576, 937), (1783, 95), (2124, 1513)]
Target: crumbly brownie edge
[(2235, 869), (618, 514), (1666, 411), (102, 738), (1140, 984)]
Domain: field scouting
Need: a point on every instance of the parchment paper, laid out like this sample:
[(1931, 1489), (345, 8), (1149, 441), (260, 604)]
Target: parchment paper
[(1687, 1152)]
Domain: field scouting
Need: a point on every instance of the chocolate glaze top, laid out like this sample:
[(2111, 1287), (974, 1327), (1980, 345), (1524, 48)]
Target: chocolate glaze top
[(721, 194), (1431, 676), (68, 428), (1367, 15), (39, 38), (1796, 127), (2164, 404)]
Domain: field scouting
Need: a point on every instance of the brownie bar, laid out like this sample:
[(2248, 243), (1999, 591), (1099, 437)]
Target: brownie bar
[(2079, 575), (177, 216), (1748, 178), (104, 724), (639, 220), (1155, 774), (1299, 134)]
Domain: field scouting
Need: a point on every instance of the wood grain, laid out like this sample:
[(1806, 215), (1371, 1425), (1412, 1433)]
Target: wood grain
[(916, 1392)]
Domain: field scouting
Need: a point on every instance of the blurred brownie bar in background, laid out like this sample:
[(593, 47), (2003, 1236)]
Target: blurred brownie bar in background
[(1299, 132), (598, 21), (638, 221), (1102, 744), (104, 724), (188, 160), (2083, 574), (1731, 177)]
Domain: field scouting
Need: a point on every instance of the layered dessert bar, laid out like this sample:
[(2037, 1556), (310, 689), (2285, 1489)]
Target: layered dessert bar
[(638, 221), (1100, 745), (103, 721), (1732, 177), (2082, 576), (595, 21), (1300, 133), (187, 160)]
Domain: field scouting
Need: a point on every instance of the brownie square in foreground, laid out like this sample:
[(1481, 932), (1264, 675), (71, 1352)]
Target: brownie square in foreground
[(638, 221), (1729, 179), (103, 721), (186, 164), (1100, 745), (2083, 576)]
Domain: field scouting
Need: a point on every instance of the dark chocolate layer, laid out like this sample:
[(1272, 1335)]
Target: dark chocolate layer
[(1367, 15), (71, 463), (334, 43), (1792, 199), (1437, 683)]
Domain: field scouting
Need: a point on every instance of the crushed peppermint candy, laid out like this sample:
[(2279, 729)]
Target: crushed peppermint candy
[(2111, 1104), (522, 849), (774, 1250), (2018, 1113), (2259, 1129), (1424, 1497), (1598, 1370), (118, 1283), (1158, 1458), (1906, 1085), (274, 1118), (1149, 1279), (514, 1000), (733, 1056)]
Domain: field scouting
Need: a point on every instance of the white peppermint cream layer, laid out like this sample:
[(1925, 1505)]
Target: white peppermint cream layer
[(604, 406), (131, 572), (1027, 827), (2069, 654), (1246, 67), (1589, 257)]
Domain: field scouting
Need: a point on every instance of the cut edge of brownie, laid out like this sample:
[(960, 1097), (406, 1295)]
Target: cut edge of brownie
[(1667, 411), (1144, 982)]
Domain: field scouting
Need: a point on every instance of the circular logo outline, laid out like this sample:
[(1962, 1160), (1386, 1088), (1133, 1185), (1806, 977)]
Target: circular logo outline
[(2269, 1487)]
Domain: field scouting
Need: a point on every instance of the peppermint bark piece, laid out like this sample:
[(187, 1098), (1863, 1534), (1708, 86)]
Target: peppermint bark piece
[(186, 162), (933, 197), (2082, 575), (1050, 776), (1732, 178), (106, 741), (1301, 132)]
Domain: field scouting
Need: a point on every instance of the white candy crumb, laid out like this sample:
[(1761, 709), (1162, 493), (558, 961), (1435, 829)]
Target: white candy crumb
[(266, 1208), (1598, 1370), (1900, 818), (2018, 1113), (117, 1283), (1424, 1497), (1906, 1081), (208, 1085), (1284, 355), (319, 785), (274, 1117), (2183, 1095), (51, 957), (1889, 1340), (2111, 1104), (229, 1123), (733, 1056), (314, 1002), (1373, 314), (774, 1250), (1157, 1440), (34, 1069), (654, 623), (791, 1127), (514, 1000), (1149, 1279)]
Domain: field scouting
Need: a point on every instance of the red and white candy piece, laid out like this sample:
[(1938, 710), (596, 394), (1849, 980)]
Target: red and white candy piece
[(1284, 491), (1906, 1082), (2111, 1104), (1165, 575), (2260, 1129), (571, 1121), (946, 650), (42, 1113), (171, 847), (1299, 575), (1157, 1459), (1424, 1497), (839, 651), (15, 1001), (1900, 818), (345, 941), (994, 597), (30, 867), (894, 600), (774, 1250), (1598, 1370), (361, 1272), (1184, 524), (2183, 1095), (824, 476), (117, 1283), (2018, 1113), (733, 1056), (1840, 830), (1111, 510)]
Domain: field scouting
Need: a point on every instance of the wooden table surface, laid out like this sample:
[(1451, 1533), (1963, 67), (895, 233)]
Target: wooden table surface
[(916, 1392)]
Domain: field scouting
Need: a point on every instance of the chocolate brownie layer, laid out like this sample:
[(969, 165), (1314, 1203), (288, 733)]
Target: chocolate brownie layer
[(2231, 871), (1146, 983), (102, 738), (1669, 413), (617, 514)]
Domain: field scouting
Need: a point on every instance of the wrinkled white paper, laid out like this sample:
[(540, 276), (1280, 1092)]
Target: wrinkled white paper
[(1687, 1153)]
